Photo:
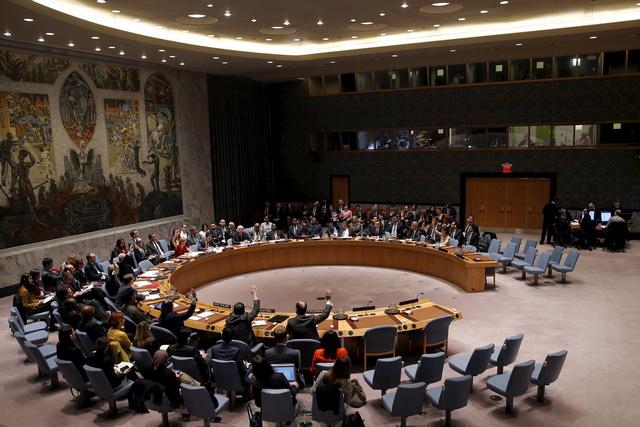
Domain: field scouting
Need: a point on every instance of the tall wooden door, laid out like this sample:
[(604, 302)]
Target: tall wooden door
[(507, 202), (339, 189)]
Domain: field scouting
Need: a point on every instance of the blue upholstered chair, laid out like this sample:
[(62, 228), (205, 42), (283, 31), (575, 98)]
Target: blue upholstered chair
[(538, 268), (555, 257), (454, 394), (145, 265), (46, 365), (142, 358), (227, 377), (385, 375), (163, 245), (189, 366), (428, 369), (163, 335), (47, 350), (277, 406), (406, 401), (323, 366), (36, 338), (26, 317), (470, 248), (103, 389), (512, 384), (473, 364), (507, 256), (74, 378), (306, 347), (379, 341), (528, 260), (328, 417), (27, 328), (198, 402), (494, 249), (532, 243), (516, 240), (569, 264), (453, 242), (164, 408), (548, 372), (84, 343), (507, 353)]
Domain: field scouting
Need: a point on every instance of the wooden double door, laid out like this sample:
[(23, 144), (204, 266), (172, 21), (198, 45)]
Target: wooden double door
[(507, 202)]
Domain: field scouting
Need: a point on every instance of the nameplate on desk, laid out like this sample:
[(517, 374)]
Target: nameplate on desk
[(267, 310), (315, 311), (367, 308), (409, 301), (228, 248), (220, 304)]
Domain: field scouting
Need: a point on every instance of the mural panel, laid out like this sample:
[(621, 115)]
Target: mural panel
[(30, 68), (123, 136), (77, 109), (113, 76)]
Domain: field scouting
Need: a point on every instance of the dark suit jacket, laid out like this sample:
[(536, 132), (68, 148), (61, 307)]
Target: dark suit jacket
[(241, 324), (174, 321), (151, 249), (224, 351), (399, 230), (456, 234), (93, 271), (50, 280), (414, 234), (280, 353), (305, 326), (238, 238), (185, 350), (140, 254)]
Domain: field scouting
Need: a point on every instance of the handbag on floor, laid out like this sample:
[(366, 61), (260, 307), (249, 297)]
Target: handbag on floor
[(353, 420), (255, 418), (357, 398)]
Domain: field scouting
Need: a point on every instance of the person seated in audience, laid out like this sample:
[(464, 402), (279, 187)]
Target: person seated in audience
[(295, 229), (336, 378), (305, 326), (144, 338), (93, 270), (445, 239), (66, 349), (120, 248), (207, 243), (376, 229), (89, 324), (414, 232), (280, 353), (255, 234), (240, 321), (175, 237), (113, 282), (343, 232), (78, 273), (102, 358), (345, 215), (37, 289), (330, 350), (223, 350), (267, 378), (471, 233), (455, 232), (357, 228), (275, 234), (173, 321), (395, 228), (125, 265), (183, 348), (124, 291), (49, 275), (314, 229), (433, 230), (139, 251), (222, 232), (154, 250), (616, 232), (30, 303), (192, 236), (134, 234), (116, 333), (130, 305), (165, 376), (239, 236)]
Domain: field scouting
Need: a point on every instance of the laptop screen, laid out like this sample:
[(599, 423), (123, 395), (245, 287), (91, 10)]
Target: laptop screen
[(592, 214), (605, 216), (287, 371)]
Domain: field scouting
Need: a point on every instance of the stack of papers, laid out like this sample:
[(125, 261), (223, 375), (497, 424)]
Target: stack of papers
[(201, 316), (141, 283), (259, 323), (151, 273)]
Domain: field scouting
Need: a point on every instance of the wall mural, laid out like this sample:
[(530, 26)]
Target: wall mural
[(99, 178), (30, 68), (113, 77)]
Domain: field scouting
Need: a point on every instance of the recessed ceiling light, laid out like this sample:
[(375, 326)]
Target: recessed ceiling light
[(238, 38), (383, 34), (325, 38), (410, 30), (7, 33), (210, 5), (172, 56), (28, 19), (354, 37), (163, 60), (352, 20), (394, 55), (160, 27), (95, 37), (224, 62), (70, 44), (111, 47), (268, 39), (462, 19), (50, 34), (254, 20), (227, 13), (286, 22), (518, 44), (296, 40), (115, 11), (197, 15), (452, 50), (101, 1), (382, 14), (320, 22), (40, 39), (210, 35), (216, 57), (404, 5), (121, 52), (593, 37), (504, 2), (332, 62), (441, 4), (484, 11), (279, 65), (143, 56), (162, 50), (182, 63), (136, 19), (366, 23), (185, 31), (269, 62), (436, 25), (97, 49), (277, 27)]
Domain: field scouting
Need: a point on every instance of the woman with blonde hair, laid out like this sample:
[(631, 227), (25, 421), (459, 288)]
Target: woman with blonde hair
[(144, 338), (116, 334), (182, 247)]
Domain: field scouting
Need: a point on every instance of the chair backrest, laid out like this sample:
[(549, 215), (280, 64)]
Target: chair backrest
[(469, 248), (277, 405), (145, 265), (380, 339), (193, 248), (408, 400), (115, 260), (494, 246), (83, 342), (163, 407), (99, 383), (517, 240), (455, 393), (519, 378), (17, 308), (71, 375), (15, 324), (571, 259), (163, 335), (244, 348), (552, 366), (37, 356), (21, 342), (328, 416), (556, 254), (130, 326), (542, 261), (323, 366), (453, 242), (105, 267), (188, 365), (226, 374), (112, 305), (142, 357), (198, 401), (306, 347), (531, 243), (509, 350), (387, 372), (530, 255), (479, 360), (437, 330), (509, 251), (430, 367), (164, 245)]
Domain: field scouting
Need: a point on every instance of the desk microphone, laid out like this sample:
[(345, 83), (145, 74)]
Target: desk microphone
[(369, 303), (417, 298)]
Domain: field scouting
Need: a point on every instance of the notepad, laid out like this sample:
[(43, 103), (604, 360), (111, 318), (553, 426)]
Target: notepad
[(259, 323), (142, 283)]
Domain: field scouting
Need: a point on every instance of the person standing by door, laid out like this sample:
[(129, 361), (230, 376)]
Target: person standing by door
[(549, 215)]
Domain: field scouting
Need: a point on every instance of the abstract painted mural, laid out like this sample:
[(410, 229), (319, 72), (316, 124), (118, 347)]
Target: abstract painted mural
[(113, 77), (123, 136), (30, 68)]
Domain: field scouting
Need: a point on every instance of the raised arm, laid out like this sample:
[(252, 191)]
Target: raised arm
[(256, 303), (327, 308)]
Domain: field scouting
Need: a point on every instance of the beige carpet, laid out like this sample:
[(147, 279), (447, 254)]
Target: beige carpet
[(595, 316)]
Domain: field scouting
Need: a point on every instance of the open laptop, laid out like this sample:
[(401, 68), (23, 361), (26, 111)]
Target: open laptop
[(288, 371), (605, 217)]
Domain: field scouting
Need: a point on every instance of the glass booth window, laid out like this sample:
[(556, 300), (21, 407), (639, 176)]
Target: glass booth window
[(467, 138), (364, 82), (520, 69), (478, 72), (519, 137), (614, 62), (633, 61), (348, 82), (431, 138), (540, 136), (418, 77), (498, 71), (585, 135), (399, 78), (438, 75), (497, 137), (314, 86), (331, 85), (381, 80), (457, 74), (620, 133), (542, 68), (562, 136)]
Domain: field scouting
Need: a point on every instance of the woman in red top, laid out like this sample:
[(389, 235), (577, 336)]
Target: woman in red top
[(182, 248), (329, 350)]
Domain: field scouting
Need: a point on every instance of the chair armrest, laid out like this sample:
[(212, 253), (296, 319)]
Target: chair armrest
[(258, 349)]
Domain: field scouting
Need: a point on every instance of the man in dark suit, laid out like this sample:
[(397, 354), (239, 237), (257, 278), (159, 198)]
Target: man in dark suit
[(376, 229), (305, 326), (295, 229), (156, 254), (239, 235), (472, 237), (549, 215), (48, 276), (223, 350), (240, 321), (395, 228), (125, 265), (182, 348), (414, 232), (280, 353), (222, 232), (93, 270), (455, 232), (432, 230), (274, 234)]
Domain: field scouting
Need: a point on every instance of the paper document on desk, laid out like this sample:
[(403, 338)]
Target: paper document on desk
[(151, 273), (195, 318), (259, 323), (206, 314), (150, 297), (140, 283)]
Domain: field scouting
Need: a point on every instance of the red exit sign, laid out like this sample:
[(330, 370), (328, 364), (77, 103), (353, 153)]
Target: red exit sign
[(506, 168)]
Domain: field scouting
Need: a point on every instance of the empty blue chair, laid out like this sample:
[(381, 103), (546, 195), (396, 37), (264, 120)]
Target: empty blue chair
[(454, 243), (434, 333), (27, 328), (164, 246), (428, 369), (198, 402), (473, 365), (385, 375), (47, 350), (516, 240), (105, 267), (193, 248), (406, 401), (306, 347), (227, 377), (512, 384), (111, 305), (36, 338), (528, 260), (277, 406), (494, 250), (164, 408), (145, 265), (84, 343), (379, 341), (26, 317), (164, 336), (507, 256), (507, 353), (454, 394), (538, 268), (548, 372), (142, 358), (187, 365), (470, 248), (46, 366), (569, 264), (555, 257), (74, 378), (58, 317), (102, 388), (528, 244), (328, 417)]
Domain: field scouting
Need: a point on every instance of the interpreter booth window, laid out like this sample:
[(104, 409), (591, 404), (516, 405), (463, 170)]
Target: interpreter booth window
[(382, 140), (438, 75), (467, 138), (563, 136), (364, 81), (317, 142), (577, 66), (477, 138), (382, 80), (366, 140), (620, 133), (348, 82), (498, 71), (585, 135), (497, 137), (457, 74), (399, 78), (614, 62), (431, 138), (333, 141), (520, 69), (419, 77), (519, 137), (633, 61), (348, 141), (542, 68), (478, 72), (540, 136), (331, 85), (315, 86)]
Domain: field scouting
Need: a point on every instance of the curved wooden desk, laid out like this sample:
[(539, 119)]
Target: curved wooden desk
[(186, 273)]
